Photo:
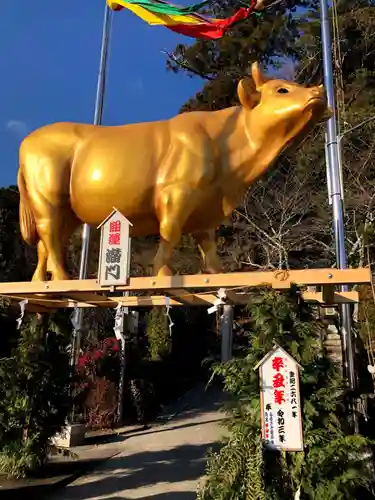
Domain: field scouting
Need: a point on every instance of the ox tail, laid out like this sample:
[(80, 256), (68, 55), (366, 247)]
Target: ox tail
[(27, 219)]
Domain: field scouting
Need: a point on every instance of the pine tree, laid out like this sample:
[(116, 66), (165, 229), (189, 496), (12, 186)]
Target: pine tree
[(332, 466)]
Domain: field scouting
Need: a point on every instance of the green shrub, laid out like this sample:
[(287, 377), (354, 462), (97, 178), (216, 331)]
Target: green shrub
[(35, 395), (158, 334)]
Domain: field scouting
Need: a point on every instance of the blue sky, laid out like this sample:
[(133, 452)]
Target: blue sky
[(49, 56)]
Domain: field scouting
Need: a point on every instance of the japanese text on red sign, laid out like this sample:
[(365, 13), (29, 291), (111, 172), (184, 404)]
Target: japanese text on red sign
[(278, 383), (278, 380)]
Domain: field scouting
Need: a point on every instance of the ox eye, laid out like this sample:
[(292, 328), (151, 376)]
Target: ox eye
[(283, 91)]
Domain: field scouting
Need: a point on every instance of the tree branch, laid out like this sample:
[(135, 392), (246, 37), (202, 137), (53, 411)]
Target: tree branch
[(185, 66)]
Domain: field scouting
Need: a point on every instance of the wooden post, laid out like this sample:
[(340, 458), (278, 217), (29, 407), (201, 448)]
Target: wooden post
[(120, 399), (226, 331)]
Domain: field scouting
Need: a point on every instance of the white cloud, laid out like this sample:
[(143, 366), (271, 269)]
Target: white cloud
[(18, 127)]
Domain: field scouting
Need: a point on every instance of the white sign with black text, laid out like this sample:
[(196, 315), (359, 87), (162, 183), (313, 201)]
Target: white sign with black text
[(280, 401), (114, 256)]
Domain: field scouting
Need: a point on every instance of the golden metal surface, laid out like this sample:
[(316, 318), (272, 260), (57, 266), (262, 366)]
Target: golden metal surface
[(182, 175)]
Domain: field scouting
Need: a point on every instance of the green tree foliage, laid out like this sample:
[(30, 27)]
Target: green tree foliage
[(16, 258), (267, 38), (16, 263), (333, 464), (35, 396), (158, 334)]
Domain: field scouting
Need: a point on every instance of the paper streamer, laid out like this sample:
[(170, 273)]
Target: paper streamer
[(167, 309), (22, 307), (74, 317), (297, 496), (222, 295), (119, 322)]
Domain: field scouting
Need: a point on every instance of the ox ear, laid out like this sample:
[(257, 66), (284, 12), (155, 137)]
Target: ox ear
[(257, 75), (247, 93)]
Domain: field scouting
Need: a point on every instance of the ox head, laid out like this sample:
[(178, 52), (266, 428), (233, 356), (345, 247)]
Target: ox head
[(279, 110)]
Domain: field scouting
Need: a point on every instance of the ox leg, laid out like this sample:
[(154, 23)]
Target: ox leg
[(173, 208), (54, 230), (51, 232), (40, 273), (163, 259), (208, 249)]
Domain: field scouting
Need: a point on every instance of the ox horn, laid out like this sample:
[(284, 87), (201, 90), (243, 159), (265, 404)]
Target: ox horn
[(328, 113), (257, 75)]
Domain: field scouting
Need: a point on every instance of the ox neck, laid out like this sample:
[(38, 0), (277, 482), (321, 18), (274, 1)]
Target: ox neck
[(250, 151), (246, 151)]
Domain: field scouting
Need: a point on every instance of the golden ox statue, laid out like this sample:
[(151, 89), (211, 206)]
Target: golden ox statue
[(182, 175)]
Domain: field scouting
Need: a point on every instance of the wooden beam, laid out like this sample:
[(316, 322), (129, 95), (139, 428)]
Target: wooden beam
[(158, 300), (37, 305), (125, 301), (86, 297), (37, 308), (237, 298), (279, 280), (338, 297), (192, 299)]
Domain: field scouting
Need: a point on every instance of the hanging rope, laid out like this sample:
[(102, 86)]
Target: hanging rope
[(119, 323), (167, 309), (74, 318)]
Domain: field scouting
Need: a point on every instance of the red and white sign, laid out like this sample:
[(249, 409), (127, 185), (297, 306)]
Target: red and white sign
[(280, 401), (114, 257)]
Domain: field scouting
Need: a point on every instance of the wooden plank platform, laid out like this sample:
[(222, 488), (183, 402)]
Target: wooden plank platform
[(191, 290)]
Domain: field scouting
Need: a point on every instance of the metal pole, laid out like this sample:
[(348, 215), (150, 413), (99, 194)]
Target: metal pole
[(335, 177), (98, 115)]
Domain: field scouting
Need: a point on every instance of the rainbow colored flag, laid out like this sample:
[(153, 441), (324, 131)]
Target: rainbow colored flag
[(183, 20)]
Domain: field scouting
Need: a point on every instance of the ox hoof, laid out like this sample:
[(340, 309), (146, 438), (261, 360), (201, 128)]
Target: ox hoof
[(214, 270), (39, 276), (165, 271), (60, 276)]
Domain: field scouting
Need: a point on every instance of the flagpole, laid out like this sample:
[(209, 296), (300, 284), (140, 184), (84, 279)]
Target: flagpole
[(336, 194), (98, 116)]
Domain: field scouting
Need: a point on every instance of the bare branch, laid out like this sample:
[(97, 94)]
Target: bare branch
[(183, 64)]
